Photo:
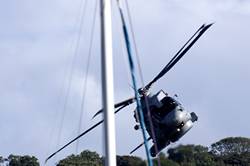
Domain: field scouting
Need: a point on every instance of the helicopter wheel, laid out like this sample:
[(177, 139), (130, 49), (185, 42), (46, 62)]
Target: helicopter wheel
[(136, 127)]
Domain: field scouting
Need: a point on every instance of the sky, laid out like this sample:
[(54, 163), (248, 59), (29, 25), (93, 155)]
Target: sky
[(38, 47)]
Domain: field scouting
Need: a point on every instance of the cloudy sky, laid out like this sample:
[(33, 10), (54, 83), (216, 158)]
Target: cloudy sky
[(38, 41)]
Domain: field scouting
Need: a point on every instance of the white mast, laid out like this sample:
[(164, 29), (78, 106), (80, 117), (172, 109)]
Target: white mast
[(107, 83)]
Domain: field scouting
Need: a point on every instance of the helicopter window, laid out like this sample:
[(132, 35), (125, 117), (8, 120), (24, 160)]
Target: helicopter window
[(161, 95), (169, 101), (169, 104)]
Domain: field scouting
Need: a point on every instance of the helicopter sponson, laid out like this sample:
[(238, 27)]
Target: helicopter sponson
[(168, 119)]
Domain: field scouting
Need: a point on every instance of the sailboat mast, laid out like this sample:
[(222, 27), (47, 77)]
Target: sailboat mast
[(107, 82)]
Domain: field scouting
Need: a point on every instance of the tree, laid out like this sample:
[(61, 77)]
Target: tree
[(164, 161), (232, 151), (231, 145), (226, 152), (191, 155), (85, 158), (22, 160), (130, 161)]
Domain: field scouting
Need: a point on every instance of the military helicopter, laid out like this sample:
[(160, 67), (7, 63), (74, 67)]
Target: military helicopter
[(165, 118)]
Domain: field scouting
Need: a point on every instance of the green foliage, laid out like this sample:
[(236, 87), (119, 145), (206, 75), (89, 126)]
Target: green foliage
[(231, 145), (226, 152), (236, 159), (130, 161), (164, 161), (191, 155), (232, 151), (85, 158), (22, 160)]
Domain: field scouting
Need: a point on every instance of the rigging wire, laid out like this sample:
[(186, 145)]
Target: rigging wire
[(87, 72), (65, 88), (132, 70), (142, 79), (75, 53)]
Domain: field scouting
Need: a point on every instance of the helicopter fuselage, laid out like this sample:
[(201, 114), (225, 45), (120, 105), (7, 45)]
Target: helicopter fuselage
[(167, 119)]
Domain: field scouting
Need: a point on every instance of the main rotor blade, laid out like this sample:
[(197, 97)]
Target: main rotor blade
[(79, 136), (139, 146), (180, 53), (123, 103), (76, 138)]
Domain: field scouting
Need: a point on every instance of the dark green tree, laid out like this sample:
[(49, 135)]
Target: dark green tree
[(130, 161), (164, 161), (231, 145), (226, 152), (85, 158), (191, 155), (233, 151), (26, 160)]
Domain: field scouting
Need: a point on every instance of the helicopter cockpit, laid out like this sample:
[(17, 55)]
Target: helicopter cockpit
[(159, 104)]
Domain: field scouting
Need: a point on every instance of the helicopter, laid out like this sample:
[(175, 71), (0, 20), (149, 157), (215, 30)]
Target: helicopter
[(165, 118)]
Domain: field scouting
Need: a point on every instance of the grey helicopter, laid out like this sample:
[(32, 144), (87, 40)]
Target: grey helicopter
[(165, 118)]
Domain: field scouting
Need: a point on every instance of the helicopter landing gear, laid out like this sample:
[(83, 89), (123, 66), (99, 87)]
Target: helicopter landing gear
[(136, 127), (161, 144)]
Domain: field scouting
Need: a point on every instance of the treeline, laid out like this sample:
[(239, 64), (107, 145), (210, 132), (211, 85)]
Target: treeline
[(16, 160), (232, 151)]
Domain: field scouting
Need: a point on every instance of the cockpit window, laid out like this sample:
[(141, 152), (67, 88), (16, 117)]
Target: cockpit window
[(170, 102)]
